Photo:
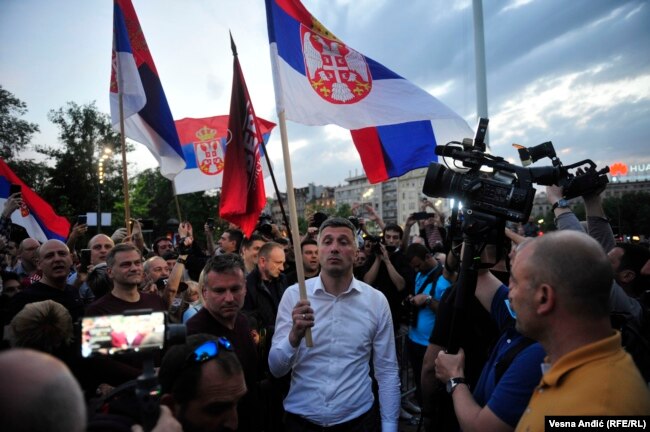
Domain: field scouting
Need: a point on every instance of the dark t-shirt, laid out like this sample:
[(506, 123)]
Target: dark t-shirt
[(244, 346), (384, 283), (38, 291), (111, 305)]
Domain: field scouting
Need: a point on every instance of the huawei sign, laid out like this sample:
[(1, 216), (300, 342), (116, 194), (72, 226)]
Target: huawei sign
[(618, 169)]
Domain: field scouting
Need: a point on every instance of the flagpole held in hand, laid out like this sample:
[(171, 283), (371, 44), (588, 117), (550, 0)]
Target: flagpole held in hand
[(293, 217)]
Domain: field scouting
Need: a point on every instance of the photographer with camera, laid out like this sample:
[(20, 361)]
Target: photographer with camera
[(431, 282), (388, 270), (431, 226)]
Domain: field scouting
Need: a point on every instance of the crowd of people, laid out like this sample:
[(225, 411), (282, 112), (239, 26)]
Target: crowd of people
[(480, 317)]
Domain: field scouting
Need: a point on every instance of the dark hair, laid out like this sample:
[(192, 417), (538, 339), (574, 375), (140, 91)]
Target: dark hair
[(393, 227), (122, 247), (308, 241), (99, 282), (224, 263), (158, 240), (634, 258), (182, 380), (417, 250), (9, 275), (247, 242), (237, 236), (337, 222)]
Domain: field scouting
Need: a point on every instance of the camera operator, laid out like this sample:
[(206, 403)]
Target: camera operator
[(388, 270), (508, 377)]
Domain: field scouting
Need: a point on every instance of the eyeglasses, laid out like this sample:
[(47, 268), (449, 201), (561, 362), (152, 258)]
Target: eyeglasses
[(207, 351)]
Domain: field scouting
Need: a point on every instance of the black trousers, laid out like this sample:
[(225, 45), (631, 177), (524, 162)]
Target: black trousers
[(367, 422)]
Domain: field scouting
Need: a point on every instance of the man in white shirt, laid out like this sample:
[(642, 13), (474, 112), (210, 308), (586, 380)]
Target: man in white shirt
[(351, 325)]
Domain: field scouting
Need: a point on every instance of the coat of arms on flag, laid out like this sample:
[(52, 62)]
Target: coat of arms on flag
[(209, 150), (336, 72)]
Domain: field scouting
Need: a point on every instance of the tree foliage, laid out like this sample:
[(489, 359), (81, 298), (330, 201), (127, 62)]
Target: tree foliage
[(73, 185), (15, 133), (628, 214), (152, 197), (15, 137)]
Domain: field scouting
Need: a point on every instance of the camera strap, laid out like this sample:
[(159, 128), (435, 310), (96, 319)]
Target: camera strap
[(431, 278)]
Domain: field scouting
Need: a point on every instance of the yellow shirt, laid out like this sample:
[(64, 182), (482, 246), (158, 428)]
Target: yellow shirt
[(596, 379)]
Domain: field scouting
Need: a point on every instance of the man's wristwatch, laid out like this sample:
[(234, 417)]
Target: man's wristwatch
[(561, 203), (427, 301), (453, 383)]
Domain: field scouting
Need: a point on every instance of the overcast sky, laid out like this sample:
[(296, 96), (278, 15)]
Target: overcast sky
[(576, 73)]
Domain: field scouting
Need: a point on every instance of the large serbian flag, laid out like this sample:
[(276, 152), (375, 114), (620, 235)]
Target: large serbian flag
[(320, 80), (147, 118), (35, 215), (204, 142)]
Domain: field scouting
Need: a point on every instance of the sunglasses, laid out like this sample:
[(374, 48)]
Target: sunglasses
[(207, 351)]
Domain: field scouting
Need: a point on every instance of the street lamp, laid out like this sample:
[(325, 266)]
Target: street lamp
[(105, 154)]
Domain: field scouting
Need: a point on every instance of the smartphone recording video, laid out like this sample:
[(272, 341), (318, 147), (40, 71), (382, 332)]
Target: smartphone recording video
[(122, 334)]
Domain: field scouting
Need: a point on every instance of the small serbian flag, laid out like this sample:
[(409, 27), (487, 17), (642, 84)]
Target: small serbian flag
[(204, 142), (36, 216), (147, 118), (320, 80)]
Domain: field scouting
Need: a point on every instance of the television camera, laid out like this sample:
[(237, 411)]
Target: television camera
[(507, 191)]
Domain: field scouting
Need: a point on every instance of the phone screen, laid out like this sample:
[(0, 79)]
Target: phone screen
[(82, 219), (84, 259), (122, 334)]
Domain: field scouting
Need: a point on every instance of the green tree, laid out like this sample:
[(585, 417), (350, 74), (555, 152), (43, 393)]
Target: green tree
[(74, 180), (15, 137), (151, 197), (629, 214)]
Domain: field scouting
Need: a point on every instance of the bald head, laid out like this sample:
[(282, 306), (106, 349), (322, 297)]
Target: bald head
[(576, 266), (38, 392), (100, 245), (54, 261), (28, 252)]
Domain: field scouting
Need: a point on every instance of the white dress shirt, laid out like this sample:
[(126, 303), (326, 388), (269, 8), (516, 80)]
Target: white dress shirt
[(330, 382)]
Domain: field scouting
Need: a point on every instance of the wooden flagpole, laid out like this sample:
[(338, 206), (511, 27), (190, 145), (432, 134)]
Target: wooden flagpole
[(293, 218), (125, 177), (178, 206)]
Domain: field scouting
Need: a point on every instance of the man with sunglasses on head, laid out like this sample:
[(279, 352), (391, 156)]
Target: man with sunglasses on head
[(351, 325), (202, 382), (224, 290)]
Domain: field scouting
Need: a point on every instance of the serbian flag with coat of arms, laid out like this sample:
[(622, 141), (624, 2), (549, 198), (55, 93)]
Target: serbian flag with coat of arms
[(147, 118), (35, 215), (319, 80), (204, 142)]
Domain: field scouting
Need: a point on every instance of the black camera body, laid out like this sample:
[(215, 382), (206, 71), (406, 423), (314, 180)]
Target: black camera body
[(265, 225), (507, 191)]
